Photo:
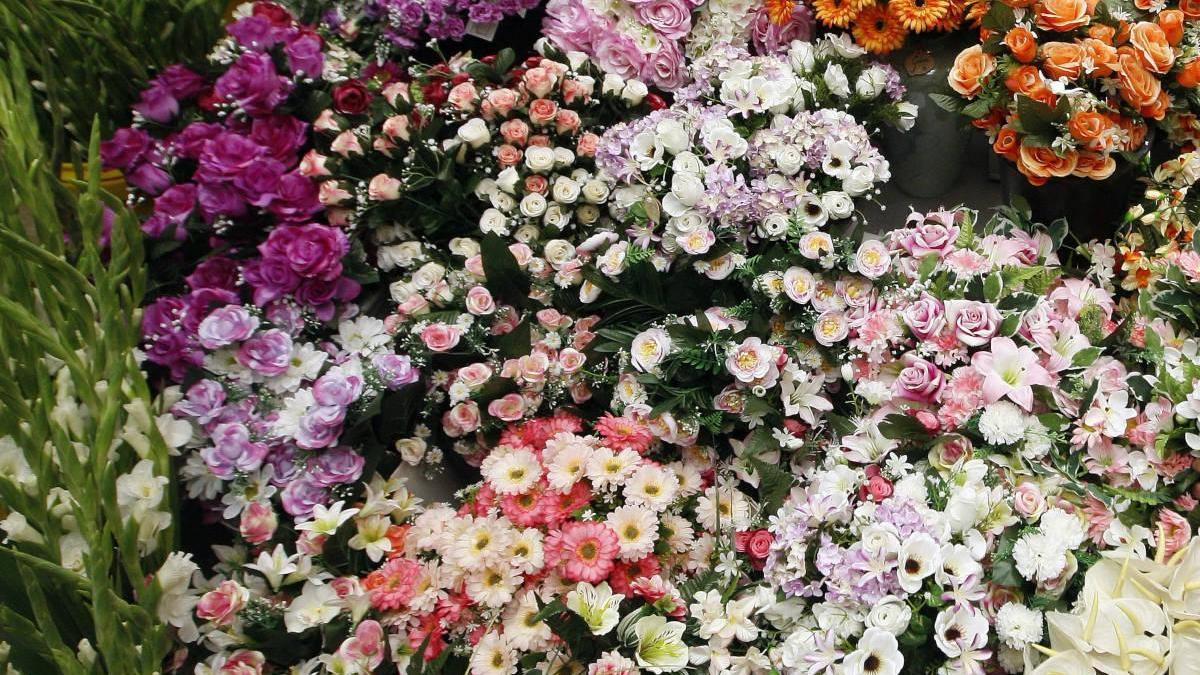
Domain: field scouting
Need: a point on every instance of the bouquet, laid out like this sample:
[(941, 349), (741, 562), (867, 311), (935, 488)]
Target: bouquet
[(1068, 99), (883, 27)]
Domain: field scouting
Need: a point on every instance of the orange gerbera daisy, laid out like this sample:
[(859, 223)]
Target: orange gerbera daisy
[(954, 18), (920, 15), (976, 10), (878, 30), (780, 11), (836, 13)]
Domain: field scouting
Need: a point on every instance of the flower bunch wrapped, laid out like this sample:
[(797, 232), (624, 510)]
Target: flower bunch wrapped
[(1063, 88), (516, 138)]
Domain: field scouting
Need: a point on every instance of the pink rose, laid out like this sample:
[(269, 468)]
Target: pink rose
[(502, 101), (580, 392), (462, 419), (258, 522), (566, 122), (1174, 533), (949, 449), (475, 375), (243, 662), (759, 544), (672, 19), (879, 488), (313, 165), (975, 323), (463, 96), (539, 141), (515, 131), (553, 319), (522, 253), (384, 188), (571, 359), (326, 121), (396, 127), (346, 144), (919, 381), (539, 81), (441, 337), (508, 155), (574, 90), (480, 301), (542, 111), (506, 321), (396, 90), (383, 145), (928, 236), (926, 317), (619, 55), (538, 184), (222, 604), (508, 408), (474, 265), (311, 543), (413, 305), (1189, 263), (532, 368), (332, 194), (665, 67), (1028, 501)]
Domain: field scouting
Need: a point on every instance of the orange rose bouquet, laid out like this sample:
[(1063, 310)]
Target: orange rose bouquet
[(1064, 87)]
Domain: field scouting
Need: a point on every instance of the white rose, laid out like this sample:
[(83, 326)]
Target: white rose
[(563, 157), (687, 162), (539, 159), (565, 190), (835, 79), (463, 246), (774, 226), (673, 136), (859, 181), (595, 191), (506, 181), (493, 220), (411, 450), (526, 233), (391, 257), (687, 188), (612, 84), (801, 57), (788, 159), (871, 82), (474, 133), (908, 115), (504, 202), (588, 292), (890, 614), (587, 213), (649, 349), (558, 252), (838, 204), (428, 275), (533, 205), (556, 216), (485, 188), (634, 92), (401, 290)]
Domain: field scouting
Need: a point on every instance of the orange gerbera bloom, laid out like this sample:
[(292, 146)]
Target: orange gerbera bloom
[(920, 15), (976, 10), (780, 11), (836, 13), (954, 17), (878, 30)]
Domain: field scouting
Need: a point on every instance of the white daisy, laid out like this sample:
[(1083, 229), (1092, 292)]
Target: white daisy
[(637, 530)]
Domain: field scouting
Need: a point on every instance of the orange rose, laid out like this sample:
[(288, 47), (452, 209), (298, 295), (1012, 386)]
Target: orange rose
[(971, 66), (1139, 87), (1021, 42), (1045, 96), (1040, 164), (1008, 144), (1157, 109), (1091, 129), (1062, 59), (1122, 32), (1150, 41), (1190, 8), (1189, 75), (1134, 130), (1101, 32), (1024, 80), (1102, 56), (1171, 21), (1094, 165), (1062, 15)]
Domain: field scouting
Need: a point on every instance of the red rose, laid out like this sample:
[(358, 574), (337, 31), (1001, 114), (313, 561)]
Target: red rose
[(741, 541), (655, 102), (434, 94), (272, 12), (351, 98)]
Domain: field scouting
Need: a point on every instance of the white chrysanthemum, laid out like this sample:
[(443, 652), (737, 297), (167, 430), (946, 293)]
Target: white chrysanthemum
[(606, 468), (722, 508), (522, 631), (494, 585), (652, 486), (1039, 557), (1002, 423), (566, 461), (1018, 625), (1037, 440), (494, 655), (511, 471), (526, 552), (1063, 527), (636, 528)]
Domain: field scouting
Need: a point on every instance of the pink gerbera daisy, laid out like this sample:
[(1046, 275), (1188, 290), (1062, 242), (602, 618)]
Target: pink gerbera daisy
[(529, 508), (587, 551), (624, 433), (392, 586)]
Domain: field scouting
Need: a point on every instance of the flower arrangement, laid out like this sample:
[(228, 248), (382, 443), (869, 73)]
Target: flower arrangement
[(886, 26), (1062, 89)]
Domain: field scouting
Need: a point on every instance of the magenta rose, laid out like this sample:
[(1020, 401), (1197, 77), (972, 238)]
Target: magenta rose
[(225, 326), (190, 142), (617, 54), (304, 55), (337, 466), (126, 147), (297, 198), (300, 496), (281, 135), (267, 353), (253, 84), (271, 278)]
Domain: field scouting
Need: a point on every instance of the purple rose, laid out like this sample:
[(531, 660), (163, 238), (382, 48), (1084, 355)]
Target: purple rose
[(619, 55), (148, 178), (975, 323), (157, 105), (226, 156), (126, 147), (928, 235), (671, 19), (232, 451), (203, 403), (297, 198), (285, 315), (171, 208), (255, 32), (267, 353), (253, 84), (320, 427), (271, 278), (258, 182), (281, 135), (571, 26), (202, 301), (665, 67), (919, 381), (926, 317), (226, 326), (304, 55), (217, 199), (180, 81), (395, 370), (190, 142), (282, 459), (772, 38), (300, 496), (337, 466), (313, 251), (337, 388), (161, 316), (217, 272)]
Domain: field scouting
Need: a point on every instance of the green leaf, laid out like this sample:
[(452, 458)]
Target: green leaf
[(773, 484), (898, 426), (993, 286), (1085, 357), (504, 276), (947, 102)]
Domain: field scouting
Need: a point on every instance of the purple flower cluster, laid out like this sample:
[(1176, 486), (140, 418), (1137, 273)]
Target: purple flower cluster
[(407, 24), (573, 26)]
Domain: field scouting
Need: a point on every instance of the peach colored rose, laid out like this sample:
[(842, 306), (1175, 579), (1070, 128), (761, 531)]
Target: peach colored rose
[(1091, 129), (539, 81), (539, 141), (1021, 42), (971, 66), (1102, 55), (587, 145), (1157, 110), (1150, 41), (536, 183), (1189, 75), (1040, 164), (1062, 59), (515, 131), (542, 111), (1062, 15), (1101, 32), (502, 100), (1008, 144), (508, 155), (1094, 165), (1190, 9), (1171, 21), (566, 122), (1139, 87), (1024, 80), (463, 96)]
